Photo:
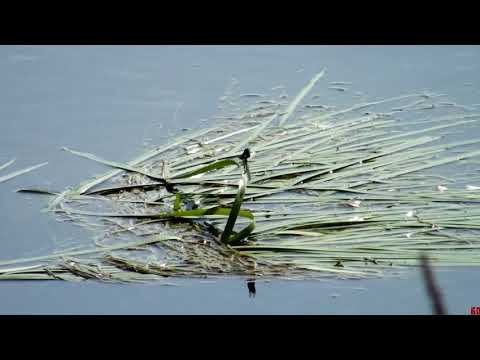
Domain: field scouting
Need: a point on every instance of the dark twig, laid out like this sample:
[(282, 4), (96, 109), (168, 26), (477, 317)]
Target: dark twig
[(432, 288)]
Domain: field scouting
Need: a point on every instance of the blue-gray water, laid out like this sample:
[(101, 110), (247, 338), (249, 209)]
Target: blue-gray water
[(110, 100)]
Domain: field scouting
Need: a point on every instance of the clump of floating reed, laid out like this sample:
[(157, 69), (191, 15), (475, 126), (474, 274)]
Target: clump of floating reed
[(283, 189)]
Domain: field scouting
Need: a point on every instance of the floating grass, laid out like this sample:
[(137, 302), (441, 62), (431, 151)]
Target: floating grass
[(290, 191)]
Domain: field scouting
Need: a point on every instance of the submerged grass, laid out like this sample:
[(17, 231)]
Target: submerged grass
[(291, 192)]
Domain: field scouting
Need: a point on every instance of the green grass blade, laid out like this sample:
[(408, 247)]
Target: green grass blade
[(226, 237)]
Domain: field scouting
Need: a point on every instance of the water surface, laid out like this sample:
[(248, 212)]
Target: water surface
[(115, 101)]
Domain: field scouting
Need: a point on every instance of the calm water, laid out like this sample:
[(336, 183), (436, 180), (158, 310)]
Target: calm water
[(114, 101)]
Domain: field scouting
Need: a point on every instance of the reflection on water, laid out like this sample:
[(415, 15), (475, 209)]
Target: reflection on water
[(251, 288)]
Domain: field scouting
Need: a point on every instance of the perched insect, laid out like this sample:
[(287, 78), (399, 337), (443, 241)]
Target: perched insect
[(246, 155)]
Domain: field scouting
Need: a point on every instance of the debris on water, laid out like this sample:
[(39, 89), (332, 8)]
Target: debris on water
[(192, 149), (271, 102), (14, 174), (257, 114), (252, 291), (335, 83), (337, 88), (314, 106), (427, 107), (354, 203), (360, 288), (411, 213), (441, 188)]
